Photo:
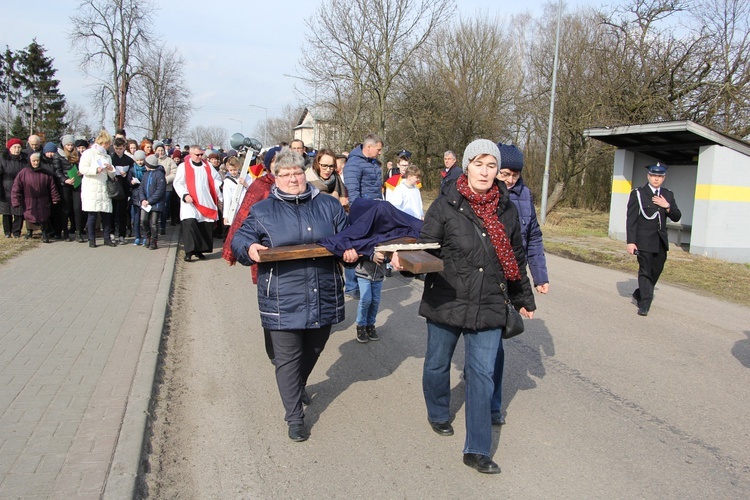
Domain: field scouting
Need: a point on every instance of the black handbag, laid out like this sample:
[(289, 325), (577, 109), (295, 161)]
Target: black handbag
[(513, 319), (114, 189)]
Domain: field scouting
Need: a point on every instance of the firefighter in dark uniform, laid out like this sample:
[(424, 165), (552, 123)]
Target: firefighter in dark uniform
[(648, 209)]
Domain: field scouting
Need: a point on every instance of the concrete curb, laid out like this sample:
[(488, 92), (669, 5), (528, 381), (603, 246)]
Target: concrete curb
[(122, 478)]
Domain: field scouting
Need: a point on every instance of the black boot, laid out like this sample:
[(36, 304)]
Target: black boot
[(80, 238), (45, 237), (29, 232)]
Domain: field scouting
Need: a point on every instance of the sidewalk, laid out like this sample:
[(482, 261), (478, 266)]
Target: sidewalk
[(79, 337)]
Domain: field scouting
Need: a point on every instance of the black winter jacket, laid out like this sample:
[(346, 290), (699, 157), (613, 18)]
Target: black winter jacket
[(467, 294)]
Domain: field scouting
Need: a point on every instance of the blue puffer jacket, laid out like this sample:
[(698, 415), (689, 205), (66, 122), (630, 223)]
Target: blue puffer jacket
[(531, 233), (363, 176), (153, 188), (295, 294)]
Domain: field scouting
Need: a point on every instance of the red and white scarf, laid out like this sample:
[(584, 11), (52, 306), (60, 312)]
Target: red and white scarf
[(207, 212)]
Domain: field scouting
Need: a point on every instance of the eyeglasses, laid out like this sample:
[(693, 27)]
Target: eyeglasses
[(289, 175), (330, 167), (512, 175)]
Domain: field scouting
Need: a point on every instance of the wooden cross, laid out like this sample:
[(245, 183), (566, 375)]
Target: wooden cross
[(416, 261)]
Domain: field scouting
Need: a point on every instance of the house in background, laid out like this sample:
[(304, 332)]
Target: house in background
[(709, 173), (315, 128)]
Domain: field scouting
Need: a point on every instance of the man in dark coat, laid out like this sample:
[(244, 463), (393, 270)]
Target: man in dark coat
[(648, 209)]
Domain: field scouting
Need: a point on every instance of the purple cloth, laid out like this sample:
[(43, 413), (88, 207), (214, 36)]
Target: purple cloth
[(372, 222)]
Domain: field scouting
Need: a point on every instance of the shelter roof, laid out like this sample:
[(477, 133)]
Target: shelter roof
[(674, 142)]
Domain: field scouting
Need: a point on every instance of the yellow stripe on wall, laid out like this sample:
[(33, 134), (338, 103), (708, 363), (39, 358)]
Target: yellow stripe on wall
[(621, 186), (722, 193)]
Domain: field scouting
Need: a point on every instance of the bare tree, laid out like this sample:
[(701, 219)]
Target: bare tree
[(357, 49), (161, 100), (77, 119), (111, 35), (212, 135), (727, 93)]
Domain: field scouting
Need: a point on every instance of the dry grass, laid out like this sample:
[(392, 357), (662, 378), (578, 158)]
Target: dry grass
[(11, 247), (582, 235)]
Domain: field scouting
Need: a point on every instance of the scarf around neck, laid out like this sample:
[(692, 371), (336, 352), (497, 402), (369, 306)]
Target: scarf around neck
[(207, 212), (485, 206)]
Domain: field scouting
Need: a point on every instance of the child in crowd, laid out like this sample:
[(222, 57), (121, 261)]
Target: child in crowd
[(153, 193), (370, 275), (406, 196), (232, 183), (139, 168)]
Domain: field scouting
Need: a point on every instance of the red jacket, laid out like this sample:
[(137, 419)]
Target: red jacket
[(258, 191)]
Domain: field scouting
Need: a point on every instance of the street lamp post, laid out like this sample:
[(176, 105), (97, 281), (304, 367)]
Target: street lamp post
[(265, 123), (242, 124)]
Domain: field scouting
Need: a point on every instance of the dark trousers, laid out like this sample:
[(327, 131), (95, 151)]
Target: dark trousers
[(650, 266), (12, 224), (58, 220), (71, 205), (106, 225), (120, 214), (174, 208), (150, 225), (296, 352)]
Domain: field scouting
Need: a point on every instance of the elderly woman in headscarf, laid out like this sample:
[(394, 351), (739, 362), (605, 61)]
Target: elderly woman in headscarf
[(299, 300), (34, 191), (480, 245), (12, 162)]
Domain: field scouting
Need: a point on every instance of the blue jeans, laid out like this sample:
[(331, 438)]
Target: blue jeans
[(351, 280), (135, 218), (481, 351), (369, 301), (496, 405)]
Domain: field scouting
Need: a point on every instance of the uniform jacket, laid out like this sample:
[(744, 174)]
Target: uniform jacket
[(531, 233), (94, 197), (649, 235), (10, 167), (363, 176), (34, 190), (467, 293), (295, 294)]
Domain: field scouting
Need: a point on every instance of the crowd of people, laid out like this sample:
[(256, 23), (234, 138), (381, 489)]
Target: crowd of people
[(484, 221)]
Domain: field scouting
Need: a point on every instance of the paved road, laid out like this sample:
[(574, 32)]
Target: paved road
[(79, 337), (601, 402)]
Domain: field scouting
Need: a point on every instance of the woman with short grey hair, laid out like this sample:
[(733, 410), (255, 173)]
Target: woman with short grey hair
[(299, 300)]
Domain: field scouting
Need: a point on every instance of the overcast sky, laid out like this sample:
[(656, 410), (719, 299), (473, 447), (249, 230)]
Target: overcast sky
[(235, 54)]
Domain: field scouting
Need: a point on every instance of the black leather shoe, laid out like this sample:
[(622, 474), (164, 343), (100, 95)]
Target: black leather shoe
[(498, 419), (642, 311), (298, 433), (481, 463), (110, 243), (92, 243), (442, 428), (80, 238), (305, 397), (200, 256), (188, 257), (45, 238)]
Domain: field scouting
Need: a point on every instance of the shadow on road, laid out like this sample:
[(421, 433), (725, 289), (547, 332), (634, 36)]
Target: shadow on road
[(626, 288), (741, 350), (402, 336), (524, 363)]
